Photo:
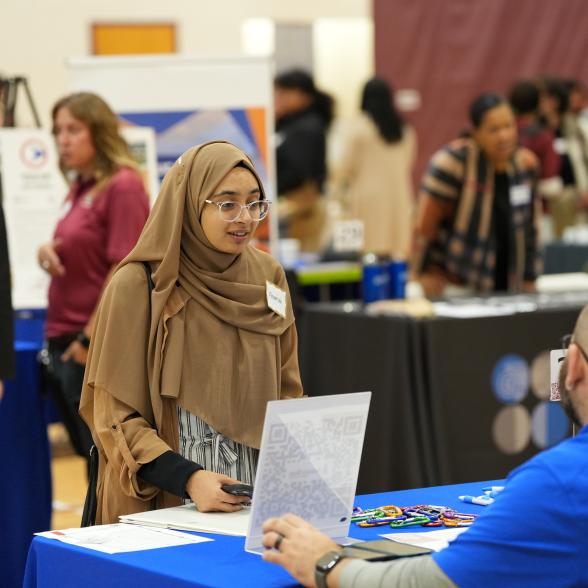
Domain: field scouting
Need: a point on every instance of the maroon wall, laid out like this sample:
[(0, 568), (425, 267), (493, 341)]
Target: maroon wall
[(452, 50)]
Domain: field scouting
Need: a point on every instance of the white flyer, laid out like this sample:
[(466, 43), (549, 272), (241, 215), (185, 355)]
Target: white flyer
[(120, 537)]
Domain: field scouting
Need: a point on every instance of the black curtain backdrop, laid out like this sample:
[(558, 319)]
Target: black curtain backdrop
[(453, 50)]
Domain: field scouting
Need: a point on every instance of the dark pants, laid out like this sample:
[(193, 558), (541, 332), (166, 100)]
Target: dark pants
[(68, 378)]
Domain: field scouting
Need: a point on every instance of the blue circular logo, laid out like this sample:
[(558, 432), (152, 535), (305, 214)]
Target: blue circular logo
[(510, 379), (549, 424)]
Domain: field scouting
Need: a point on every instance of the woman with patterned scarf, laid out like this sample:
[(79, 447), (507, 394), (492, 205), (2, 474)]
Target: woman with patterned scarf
[(476, 227)]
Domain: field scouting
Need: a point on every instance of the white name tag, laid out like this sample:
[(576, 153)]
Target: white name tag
[(348, 235), (520, 195), (556, 357), (560, 146), (276, 298)]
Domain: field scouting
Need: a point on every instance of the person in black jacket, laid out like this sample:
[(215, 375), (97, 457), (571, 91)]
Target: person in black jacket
[(7, 357), (303, 114)]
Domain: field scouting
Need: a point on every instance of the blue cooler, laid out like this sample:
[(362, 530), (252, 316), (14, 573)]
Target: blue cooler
[(376, 279), (397, 270)]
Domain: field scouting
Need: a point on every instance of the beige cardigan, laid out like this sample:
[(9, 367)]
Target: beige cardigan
[(372, 179)]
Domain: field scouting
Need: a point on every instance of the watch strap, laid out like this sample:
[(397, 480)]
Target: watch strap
[(325, 565), (82, 338)]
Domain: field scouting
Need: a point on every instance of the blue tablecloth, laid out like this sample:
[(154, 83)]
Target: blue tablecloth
[(222, 562), (25, 474)]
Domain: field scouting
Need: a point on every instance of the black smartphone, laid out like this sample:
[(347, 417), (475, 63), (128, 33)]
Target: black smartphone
[(383, 549), (238, 489)]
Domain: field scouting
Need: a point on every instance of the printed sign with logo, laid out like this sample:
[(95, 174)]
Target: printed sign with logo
[(33, 191), (556, 357)]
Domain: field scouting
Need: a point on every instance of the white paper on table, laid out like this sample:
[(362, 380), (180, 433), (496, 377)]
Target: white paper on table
[(187, 518), (472, 310), (435, 540), (119, 538)]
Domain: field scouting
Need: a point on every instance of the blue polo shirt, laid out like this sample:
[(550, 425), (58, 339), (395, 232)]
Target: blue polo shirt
[(536, 532)]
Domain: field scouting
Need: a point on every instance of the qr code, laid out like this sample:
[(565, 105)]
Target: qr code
[(555, 395), (309, 466)]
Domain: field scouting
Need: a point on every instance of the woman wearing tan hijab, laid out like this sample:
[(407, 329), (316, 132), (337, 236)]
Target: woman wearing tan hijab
[(177, 382)]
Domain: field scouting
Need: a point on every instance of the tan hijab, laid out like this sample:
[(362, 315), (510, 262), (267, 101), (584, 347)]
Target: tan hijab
[(213, 343)]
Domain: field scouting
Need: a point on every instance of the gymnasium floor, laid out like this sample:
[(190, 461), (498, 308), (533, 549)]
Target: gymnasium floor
[(69, 480)]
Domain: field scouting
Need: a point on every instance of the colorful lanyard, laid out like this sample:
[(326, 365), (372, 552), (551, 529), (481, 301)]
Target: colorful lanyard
[(425, 515)]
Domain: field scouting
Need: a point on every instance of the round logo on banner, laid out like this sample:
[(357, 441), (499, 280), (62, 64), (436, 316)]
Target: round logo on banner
[(540, 376), (510, 379), (511, 429), (33, 153), (549, 424)]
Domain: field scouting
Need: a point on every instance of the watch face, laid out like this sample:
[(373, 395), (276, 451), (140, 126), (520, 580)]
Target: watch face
[(328, 561)]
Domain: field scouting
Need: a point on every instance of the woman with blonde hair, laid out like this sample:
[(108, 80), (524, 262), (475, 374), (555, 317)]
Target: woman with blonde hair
[(103, 214)]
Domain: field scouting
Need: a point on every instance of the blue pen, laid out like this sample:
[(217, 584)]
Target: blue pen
[(493, 488), (481, 500)]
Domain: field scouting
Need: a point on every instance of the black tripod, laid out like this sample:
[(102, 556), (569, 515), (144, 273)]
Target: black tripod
[(9, 94)]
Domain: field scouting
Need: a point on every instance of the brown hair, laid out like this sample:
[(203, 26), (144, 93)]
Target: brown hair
[(112, 151)]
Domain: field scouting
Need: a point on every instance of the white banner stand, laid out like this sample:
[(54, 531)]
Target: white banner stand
[(189, 100)]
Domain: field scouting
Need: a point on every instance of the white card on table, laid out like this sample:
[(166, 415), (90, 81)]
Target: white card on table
[(348, 235)]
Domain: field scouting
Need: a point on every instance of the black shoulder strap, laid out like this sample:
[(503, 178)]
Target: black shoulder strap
[(150, 284), (90, 504)]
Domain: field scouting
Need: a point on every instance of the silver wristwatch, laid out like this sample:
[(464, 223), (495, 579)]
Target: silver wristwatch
[(325, 565)]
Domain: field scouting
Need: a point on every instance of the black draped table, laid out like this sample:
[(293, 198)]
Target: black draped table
[(454, 399), (561, 258)]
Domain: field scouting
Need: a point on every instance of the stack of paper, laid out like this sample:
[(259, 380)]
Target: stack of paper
[(187, 518)]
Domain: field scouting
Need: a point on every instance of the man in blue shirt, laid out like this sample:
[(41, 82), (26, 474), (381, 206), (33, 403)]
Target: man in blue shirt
[(535, 533)]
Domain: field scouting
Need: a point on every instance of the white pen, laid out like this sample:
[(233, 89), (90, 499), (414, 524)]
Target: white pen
[(493, 488), (481, 500)]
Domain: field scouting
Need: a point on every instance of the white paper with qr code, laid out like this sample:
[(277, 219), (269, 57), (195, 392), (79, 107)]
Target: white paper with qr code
[(309, 462), (556, 357)]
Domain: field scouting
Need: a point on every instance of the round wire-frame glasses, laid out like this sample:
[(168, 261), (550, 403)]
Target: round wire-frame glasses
[(565, 343), (231, 211)]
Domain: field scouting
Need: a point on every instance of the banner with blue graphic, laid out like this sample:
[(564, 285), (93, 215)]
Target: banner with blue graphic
[(188, 101)]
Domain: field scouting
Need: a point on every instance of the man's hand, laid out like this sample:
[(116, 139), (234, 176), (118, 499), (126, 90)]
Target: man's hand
[(299, 550), (1, 389), (433, 284), (204, 488), (49, 259)]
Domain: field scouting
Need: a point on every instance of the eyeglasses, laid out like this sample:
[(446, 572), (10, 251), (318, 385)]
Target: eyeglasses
[(231, 211), (565, 343)]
